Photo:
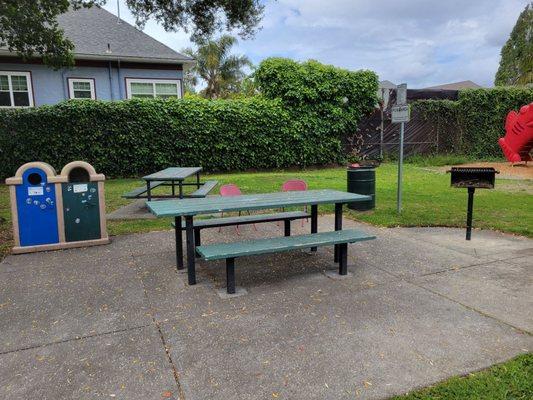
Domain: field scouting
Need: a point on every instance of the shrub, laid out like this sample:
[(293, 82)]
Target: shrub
[(473, 124), (299, 121), (328, 100), (134, 137)]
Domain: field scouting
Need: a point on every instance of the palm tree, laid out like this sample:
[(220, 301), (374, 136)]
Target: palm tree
[(221, 71)]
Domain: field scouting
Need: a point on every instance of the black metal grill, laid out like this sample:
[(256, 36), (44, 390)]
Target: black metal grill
[(472, 178)]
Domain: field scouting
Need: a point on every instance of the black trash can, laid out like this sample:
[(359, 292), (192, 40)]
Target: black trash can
[(362, 180)]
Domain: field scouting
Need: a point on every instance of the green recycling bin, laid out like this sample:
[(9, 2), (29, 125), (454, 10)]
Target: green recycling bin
[(83, 203)]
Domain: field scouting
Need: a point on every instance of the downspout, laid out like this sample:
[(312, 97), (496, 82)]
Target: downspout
[(119, 75), (63, 82), (110, 81)]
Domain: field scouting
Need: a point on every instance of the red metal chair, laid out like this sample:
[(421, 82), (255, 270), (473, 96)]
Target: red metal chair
[(230, 190), (295, 185)]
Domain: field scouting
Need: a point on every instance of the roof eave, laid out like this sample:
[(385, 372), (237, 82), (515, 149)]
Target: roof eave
[(112, 57)]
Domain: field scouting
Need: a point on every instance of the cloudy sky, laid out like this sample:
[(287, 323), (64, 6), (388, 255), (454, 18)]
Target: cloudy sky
[(421, 42)]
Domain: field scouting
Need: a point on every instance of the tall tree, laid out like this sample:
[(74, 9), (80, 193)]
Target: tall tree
[(516, 64), (29, 27), (221, 71)]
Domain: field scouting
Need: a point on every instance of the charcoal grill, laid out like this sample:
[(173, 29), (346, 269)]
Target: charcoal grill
[(472, 178)]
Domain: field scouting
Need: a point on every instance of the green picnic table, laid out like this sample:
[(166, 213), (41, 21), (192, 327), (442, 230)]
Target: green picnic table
[(188, 208), (171, 177)]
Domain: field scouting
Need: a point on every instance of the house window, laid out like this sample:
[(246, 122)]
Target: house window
[(15, 89), (151, 88), (79, 88)]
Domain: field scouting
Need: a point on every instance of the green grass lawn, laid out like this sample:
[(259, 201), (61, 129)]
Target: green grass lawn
[(427, 197), (512, 380)]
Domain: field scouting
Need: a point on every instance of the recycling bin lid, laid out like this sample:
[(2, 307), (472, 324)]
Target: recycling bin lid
[(51, 174), (79, 171)]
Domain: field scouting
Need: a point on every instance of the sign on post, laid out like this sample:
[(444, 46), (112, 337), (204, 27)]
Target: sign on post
[(401, 113)]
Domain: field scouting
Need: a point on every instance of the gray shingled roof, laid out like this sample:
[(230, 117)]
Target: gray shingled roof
[(91, 29), (455, 86)]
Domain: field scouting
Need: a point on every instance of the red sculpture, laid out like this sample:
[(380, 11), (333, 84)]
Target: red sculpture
[(518, 140)]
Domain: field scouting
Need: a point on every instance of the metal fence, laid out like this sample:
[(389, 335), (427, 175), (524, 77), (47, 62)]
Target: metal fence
[(421, 136)]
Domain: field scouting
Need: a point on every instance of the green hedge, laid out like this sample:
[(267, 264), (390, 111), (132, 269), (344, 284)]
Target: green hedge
[(328, 100), (135, 137), (473, 124), (129, 138)]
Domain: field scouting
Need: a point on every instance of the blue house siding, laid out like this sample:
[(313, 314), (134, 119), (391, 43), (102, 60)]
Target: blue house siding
[(51, 87)]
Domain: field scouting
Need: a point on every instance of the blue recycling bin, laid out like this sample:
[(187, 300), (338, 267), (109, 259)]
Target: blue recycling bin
[(34, 207)]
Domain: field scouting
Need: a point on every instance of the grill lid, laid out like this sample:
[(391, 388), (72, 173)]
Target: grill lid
[(473, 170)]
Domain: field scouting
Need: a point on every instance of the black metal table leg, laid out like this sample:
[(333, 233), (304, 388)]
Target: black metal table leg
[(180, 185), (314, 221), (469, 212), (287, 223), (191, 265), (173, 189), (230, 275), (179, 243), (197, 241), (343, 259), (338, 227), (198, 180), (148, 191)]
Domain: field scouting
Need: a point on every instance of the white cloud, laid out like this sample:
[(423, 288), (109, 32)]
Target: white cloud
[(420, 42)]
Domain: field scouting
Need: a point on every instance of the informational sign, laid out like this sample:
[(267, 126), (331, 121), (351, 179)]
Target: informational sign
[(401, 114), (35, 191), (401, 94), (81, 188)]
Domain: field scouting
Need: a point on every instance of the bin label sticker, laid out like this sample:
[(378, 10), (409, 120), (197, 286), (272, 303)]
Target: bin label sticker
[(35, 191), (80, 188)]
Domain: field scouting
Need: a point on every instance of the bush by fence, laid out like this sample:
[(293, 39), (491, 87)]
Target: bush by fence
[(134, 137), (473, 124)]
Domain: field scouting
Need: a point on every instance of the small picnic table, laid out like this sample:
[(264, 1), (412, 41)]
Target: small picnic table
[(172, 175), (188, 208)]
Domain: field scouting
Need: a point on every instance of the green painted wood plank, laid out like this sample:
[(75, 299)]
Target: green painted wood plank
[(140, 190), (205, 189), (279, 244), (207, 205), (173, 173), (247, 219)]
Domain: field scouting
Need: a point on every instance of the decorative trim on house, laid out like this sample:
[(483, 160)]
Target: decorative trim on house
[(115, 63), (16, 89), (157, 89)]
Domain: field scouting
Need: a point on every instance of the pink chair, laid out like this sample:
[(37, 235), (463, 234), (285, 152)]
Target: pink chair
[(295, 185), (230, 190)]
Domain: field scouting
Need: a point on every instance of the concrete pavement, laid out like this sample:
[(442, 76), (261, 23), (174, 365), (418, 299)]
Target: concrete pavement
[(119, 321)]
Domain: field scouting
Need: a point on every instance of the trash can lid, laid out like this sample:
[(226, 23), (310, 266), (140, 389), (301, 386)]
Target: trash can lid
[(51, 174)]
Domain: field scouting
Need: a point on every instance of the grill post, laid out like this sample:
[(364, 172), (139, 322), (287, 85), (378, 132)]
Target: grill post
[(471, 191)]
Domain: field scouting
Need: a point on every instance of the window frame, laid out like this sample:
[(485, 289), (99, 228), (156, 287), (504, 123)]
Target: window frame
[(153, 81), (29, 81), (91, 81)]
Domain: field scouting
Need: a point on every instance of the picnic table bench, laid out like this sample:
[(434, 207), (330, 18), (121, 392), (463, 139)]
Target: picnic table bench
[(188, 208), (230, 251), (174, 176)]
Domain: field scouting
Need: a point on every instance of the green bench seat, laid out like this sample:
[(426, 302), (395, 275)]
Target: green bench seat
[(204, 189), (230, 251), (245, 219), (135, 193), (199, 224)]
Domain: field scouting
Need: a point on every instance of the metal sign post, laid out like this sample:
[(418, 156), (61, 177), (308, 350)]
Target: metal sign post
[(401, 113)]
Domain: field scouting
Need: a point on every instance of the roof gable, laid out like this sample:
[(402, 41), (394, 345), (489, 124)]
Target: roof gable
[(92, 29)]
